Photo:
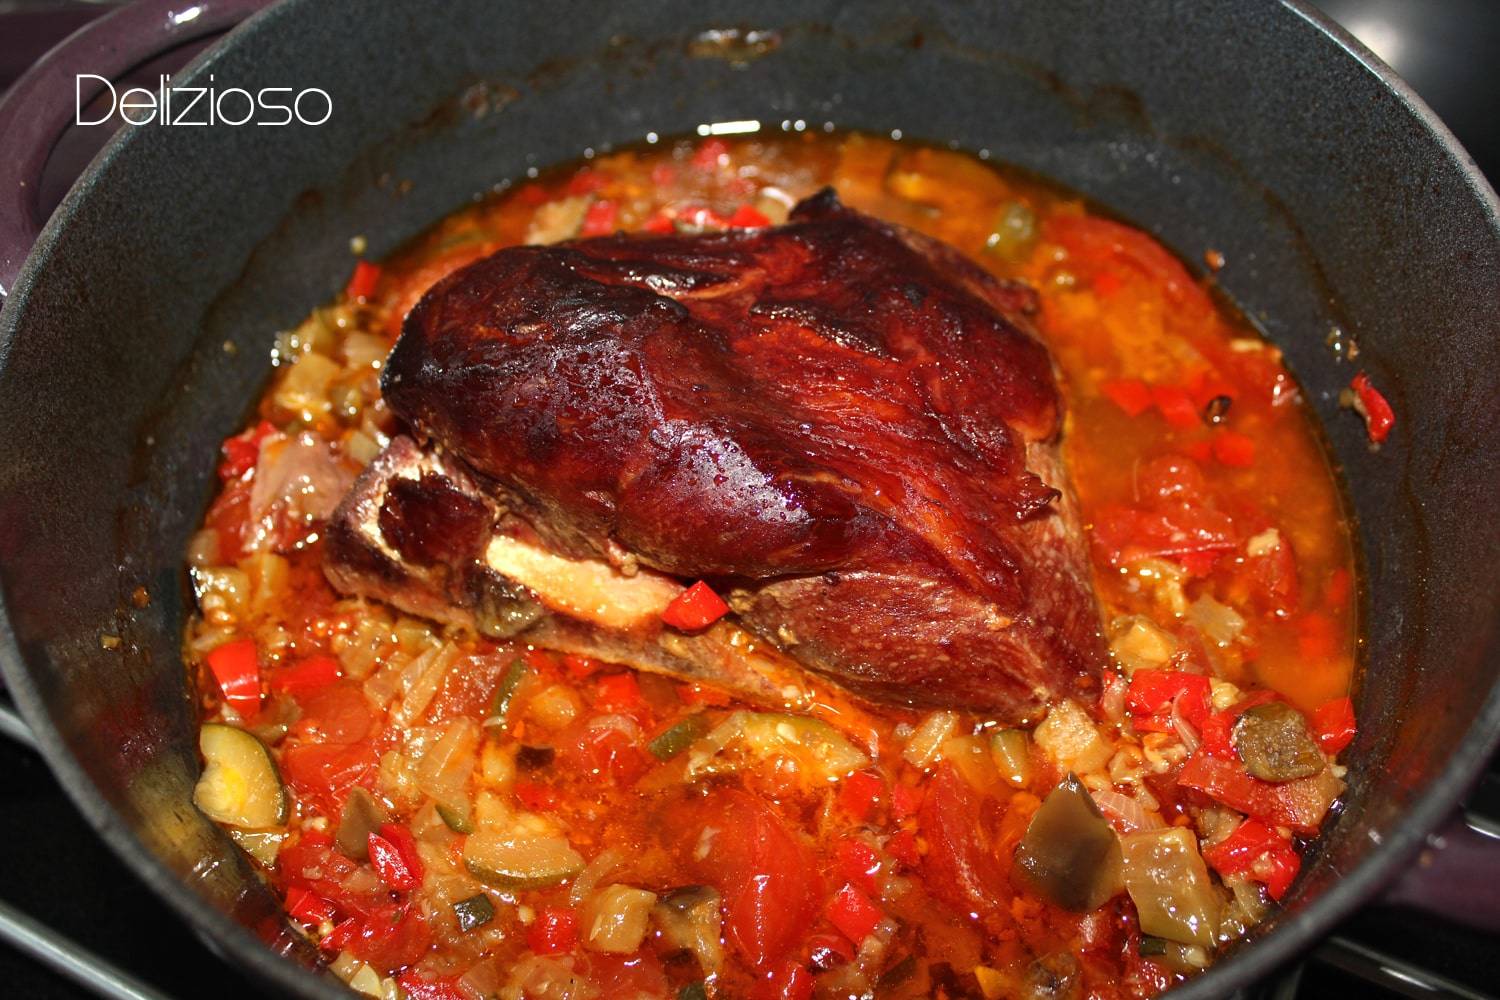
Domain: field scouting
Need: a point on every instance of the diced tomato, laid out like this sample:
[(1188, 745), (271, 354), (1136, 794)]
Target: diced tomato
[(788, 981), (554, 932), (536, 796), (860, 793), (961, 863), (1100, 243), (1259, 851), (1175, 406), (335, 713), (1153, 692), (338, 939), (1172, 479), (1129, 394), (695, 608), (1234, 449), (306, 906), (710, 153), (363, 282), (857, 863), (323, 773), (1370, 404), (852, 912), (601, 218), (391, 938), (580, 667), (1333, 724), (618, 692), (746, 217), (739, 844), (902, 845), (304, 676), (242, 451), (905, 801), (608, 753), (1107, 283), (1204, 386), (312, 863), (236, 666), (229, 518), (414, 987), (394, 856), (1273, 578)]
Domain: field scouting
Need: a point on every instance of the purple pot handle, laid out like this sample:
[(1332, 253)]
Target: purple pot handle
[(1456, 876), (39, 106)]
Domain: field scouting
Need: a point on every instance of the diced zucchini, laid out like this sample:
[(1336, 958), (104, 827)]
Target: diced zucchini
[(262, 845), (456, 816), (476, 911), (363, 815), (526, 862), (678, 737), (240, 786)]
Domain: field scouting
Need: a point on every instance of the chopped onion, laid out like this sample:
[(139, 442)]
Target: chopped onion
[(620, 723), (1125, 813), (1185, 731), (1112, 698), (922, 749), (604, 864)]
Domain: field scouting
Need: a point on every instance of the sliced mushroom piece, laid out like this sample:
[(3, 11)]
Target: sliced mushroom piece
[(1070, 856)]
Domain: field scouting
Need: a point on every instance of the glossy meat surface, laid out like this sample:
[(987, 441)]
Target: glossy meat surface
[(845, 426)]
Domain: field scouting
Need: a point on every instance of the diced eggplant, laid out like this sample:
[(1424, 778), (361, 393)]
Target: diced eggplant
[(363, 814), (1169, 884), (1273, 741), (690, 918), (1070, 856), (240, 785), (532, 862), (476, 911), (615, 919)]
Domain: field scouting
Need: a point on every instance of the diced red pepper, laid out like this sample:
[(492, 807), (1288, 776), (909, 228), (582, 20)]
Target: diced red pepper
[(236, 666), (1333, 724), (1175, 406), (902, 845), (1153, 692), (393, 853), (311, 673), (661, 222), (709, 152), (537, 797), (1214, 733), (600, 219), (788, 981), (1370, 404), (1234, 449), (363, 281), (618, 692), (1256, 850), (860, 793), (586, 181), (340, 937), (1107, 283), (695, 608), (746, 217), (853, 914), (857, 863), (242, 451), (414, 987), (554, 932), (307, 906), (1296, 804), (1129, 394), (905, 801), (825, 950)]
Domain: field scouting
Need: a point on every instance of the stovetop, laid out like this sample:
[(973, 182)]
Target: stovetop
[(55, 871)]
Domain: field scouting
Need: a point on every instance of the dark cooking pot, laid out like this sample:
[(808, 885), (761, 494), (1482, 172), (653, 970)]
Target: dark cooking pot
[(138, 330)]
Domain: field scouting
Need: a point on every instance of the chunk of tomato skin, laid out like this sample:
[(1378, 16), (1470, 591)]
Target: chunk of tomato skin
[(1131, 395), (1333, 725), (695, 608), (554, 932), (391, 938), (860, 793), (762, 871), (337, 713), (235, 665), (1153, 691), (853, 913), (960, 864), (305, 675)]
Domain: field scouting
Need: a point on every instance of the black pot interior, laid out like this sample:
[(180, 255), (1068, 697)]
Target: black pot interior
[(141, 331)]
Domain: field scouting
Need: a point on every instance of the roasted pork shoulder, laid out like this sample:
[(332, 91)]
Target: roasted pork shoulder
[(847, 428)]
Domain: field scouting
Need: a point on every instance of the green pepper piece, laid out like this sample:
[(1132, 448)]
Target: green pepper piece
[(510, 683)]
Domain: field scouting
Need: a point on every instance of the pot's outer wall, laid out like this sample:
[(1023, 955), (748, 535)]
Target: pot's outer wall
[(1241, 127)]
